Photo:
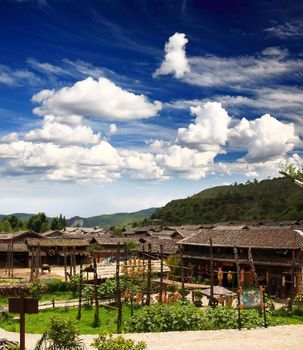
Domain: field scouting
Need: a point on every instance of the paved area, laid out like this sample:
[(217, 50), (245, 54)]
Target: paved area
[(273, 338)]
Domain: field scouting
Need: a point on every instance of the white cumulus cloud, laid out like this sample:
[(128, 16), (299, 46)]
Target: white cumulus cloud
[(62, 134), (263, 138), (99, 98), (175, 61), (210, 128)]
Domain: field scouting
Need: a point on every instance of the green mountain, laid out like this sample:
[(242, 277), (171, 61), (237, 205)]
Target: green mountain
[(100, 220), (118, 218), (278, 199)]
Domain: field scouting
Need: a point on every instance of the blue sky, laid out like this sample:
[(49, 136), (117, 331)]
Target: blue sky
[(111, 105)]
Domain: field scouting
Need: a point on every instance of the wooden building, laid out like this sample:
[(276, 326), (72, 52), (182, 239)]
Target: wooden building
[(277, 256)]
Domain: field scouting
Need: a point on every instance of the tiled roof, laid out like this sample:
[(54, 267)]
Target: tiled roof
[(258, 238), (57, 242), (170, 246)]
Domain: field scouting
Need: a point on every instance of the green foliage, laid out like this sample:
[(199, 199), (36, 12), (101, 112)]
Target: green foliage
[(104, 342), (87, 295), (62, 335), (58, 223), (107, 289), (227, 318), (57, 286), (37, 288), (5, 226), (166, 318), (262, 200), (38, 223), (14, 221), (74, 282)]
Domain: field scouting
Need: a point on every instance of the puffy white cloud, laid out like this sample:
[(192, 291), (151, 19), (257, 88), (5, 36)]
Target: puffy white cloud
[(62, 134), (175, 61), (286, 30), (99, 98), (263, 138), (142, 165), (185, 162), (209, 130)]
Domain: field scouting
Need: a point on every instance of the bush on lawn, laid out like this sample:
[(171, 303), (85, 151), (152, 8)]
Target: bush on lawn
[(104, 342)]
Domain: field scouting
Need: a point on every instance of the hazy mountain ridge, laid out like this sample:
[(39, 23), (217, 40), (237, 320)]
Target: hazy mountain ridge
[(104, 220)]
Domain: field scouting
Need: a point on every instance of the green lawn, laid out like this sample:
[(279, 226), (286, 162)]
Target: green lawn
[(38, 323)]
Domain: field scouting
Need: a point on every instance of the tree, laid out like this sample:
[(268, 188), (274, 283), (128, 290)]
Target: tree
[(38, 223), (14, 221), (58, 223), (62, 335), (292, 172), (5, 226)]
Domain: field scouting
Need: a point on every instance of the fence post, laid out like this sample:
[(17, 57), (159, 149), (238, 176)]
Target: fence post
[(118, 290), (161, 273), (148, 276), (96, 317)]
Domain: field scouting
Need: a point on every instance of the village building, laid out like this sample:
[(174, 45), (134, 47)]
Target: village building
[(277, 254)]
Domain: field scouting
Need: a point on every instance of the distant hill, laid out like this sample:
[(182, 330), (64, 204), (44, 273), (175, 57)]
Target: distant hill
[(105, 220), (276, 199), (108, 220)]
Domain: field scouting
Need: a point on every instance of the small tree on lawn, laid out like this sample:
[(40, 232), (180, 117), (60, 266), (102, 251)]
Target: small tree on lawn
[(62, 335)]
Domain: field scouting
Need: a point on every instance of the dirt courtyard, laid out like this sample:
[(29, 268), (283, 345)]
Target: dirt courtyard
[(273, 338)]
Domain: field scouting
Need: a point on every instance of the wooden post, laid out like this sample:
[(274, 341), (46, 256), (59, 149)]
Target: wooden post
[(38, 260), (74, 261), (211, 300), (148, 275), (22, 322), (182, 274), (70, 264), (80, 292), (264, 308), (239, 286), (118, 290), (12, 259), (32, 263), (292, 283), (96, 317), (161, 273), (65, 264), (252, 266)]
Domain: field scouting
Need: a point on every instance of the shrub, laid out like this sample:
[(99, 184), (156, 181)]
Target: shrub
[(166, 318), (87, 295), (37, 288), (62, 335), (104, 342), (227, 318), (298, 310), (57, 286)]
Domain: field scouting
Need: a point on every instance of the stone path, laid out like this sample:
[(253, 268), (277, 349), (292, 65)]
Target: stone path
[(273, 338)]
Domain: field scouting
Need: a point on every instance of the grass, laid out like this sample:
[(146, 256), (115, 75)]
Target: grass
[(38, 323)]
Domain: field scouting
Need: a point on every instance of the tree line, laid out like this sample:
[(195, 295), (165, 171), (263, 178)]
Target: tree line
[(38, 223)]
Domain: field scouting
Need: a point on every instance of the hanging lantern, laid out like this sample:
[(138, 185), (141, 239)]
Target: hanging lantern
[(283, 281), (229, 276), (220, 276), (242, 276)]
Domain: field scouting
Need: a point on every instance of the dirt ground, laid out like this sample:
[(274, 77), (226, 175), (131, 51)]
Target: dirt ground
[(273, 338)]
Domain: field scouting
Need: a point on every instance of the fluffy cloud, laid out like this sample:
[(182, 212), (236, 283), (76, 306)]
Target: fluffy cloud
[(286, 30), (175, 61), (210, 128), (264, 138), (99, 98), (185, 162), (62, 134)]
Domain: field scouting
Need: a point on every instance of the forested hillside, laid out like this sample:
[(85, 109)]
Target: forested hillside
[(276, 199)]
